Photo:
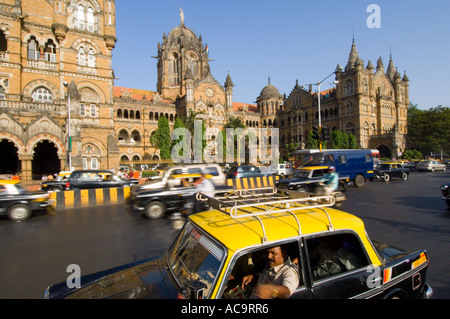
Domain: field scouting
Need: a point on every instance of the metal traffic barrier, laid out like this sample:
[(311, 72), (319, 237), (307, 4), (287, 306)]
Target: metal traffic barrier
[(111, 196)]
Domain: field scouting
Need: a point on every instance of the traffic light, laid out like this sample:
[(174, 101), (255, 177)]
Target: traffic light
[(316, 134), (325, 133)]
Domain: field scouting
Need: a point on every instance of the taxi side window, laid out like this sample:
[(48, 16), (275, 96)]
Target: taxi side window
[(318, 173), (2, 190), (334, 254), (254, 263)]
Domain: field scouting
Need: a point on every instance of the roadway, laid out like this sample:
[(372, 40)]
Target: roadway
[(33, 254)]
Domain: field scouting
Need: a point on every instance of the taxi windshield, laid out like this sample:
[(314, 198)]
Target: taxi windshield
[(195, 257)]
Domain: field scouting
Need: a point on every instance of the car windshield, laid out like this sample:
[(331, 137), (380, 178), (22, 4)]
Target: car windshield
[(195, 257), (300, 173)]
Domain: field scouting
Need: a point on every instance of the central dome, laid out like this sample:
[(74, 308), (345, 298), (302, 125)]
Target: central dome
[(269, 91)]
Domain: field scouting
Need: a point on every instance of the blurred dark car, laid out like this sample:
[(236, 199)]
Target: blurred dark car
[(89, 179), (244, 171), (445, 189), (387, 171), (18, 203)]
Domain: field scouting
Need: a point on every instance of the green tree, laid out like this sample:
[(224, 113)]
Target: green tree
[(429, 130), (352, 143), (412, 154), (162, 138), (338, 140), (311, 142)]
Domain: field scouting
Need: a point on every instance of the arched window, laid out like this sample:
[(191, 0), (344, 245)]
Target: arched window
[(42, 95), (33, 50), (80, 17), (90, 20), (123, 136), (50, 51), (119, 113), (81, 56), (192, 64), (173, 70), (348, 88), (136, 136), (3, 42), (91, 58)]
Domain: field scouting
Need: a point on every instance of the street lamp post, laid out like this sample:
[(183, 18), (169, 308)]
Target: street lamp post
[(318, 105), (69, 149)]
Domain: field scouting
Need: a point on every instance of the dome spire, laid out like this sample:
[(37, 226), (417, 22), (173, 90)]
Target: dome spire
[(181, 17)]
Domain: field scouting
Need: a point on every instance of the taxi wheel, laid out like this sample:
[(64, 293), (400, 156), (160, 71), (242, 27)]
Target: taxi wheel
[(155, 210), (404, 176), (386, 177), (19, 213)]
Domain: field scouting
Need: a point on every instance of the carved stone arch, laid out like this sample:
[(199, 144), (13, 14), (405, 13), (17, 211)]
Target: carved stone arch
[(79, 42), (28, 37), (21, 148), (8, 124), (92, 148), (89, 91), (45, 125), (50, 37), (33, 85), (95, 5), (33, 141)]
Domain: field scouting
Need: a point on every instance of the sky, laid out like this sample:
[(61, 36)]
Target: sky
[(290, 40)]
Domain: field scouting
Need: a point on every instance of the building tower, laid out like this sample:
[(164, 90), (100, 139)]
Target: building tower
[(46, 48), (180, 51)]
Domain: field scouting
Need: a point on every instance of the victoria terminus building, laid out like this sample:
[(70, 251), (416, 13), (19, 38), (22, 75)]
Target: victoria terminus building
[(59, 107)]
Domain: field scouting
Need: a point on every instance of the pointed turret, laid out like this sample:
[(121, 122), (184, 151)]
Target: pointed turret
[(391, 70), (353, 57)]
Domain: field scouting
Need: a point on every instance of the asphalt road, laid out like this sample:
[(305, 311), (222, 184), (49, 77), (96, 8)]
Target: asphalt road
[(36, 253)]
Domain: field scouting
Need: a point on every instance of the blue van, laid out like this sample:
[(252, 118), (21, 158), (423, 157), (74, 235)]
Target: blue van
[(357, 164)]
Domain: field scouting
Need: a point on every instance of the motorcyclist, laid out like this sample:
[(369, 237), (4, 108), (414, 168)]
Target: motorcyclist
[(331, 182)]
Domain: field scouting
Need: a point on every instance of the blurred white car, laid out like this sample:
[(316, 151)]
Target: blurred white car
[(431, 165)]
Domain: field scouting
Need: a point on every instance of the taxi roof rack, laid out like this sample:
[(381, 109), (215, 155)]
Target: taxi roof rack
[(242, 203)]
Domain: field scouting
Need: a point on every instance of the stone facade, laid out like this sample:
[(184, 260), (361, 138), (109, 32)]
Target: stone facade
[(56, 56), (368, 102)]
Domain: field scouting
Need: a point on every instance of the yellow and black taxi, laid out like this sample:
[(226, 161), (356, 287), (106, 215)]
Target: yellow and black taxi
[(18, 203), (387, 171), (327, 254), (308, 178), (58, 184), (165, 196)]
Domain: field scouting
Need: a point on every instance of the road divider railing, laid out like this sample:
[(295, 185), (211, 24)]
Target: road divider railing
[(112, 196)]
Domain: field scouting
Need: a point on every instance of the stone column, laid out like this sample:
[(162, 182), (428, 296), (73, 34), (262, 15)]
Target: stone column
[(26, 175)]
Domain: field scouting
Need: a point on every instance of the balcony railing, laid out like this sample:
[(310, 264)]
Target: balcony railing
[(32, 106)]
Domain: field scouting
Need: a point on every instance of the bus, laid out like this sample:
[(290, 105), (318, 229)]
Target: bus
[(357, 164)]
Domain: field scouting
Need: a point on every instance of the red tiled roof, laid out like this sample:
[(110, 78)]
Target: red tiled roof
[(135, 94), (250, 107)]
